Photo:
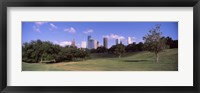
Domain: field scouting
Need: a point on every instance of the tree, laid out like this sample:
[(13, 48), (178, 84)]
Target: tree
[(27, 51), (175, 44), (31, 51), (101, 49), (71, 53), (153, 41), (119, 50), (139, 46), (170, 42), (37, 51), (131, 47), (112, 49)]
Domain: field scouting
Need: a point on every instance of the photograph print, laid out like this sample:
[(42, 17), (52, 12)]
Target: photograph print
[(99, 46)]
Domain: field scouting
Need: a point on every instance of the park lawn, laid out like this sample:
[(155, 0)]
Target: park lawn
[(138, 61)]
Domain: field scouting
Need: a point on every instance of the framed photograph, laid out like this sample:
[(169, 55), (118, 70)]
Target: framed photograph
[(104, 46)]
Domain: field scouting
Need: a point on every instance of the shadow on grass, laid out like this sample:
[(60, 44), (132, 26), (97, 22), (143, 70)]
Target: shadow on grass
[(135, 60)]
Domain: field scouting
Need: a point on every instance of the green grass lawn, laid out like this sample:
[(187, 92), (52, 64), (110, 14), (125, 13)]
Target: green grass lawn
[(138, 61)]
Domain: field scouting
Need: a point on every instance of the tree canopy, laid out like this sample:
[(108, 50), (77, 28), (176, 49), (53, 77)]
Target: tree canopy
[(40, 51), (118, 50), (154, 42)]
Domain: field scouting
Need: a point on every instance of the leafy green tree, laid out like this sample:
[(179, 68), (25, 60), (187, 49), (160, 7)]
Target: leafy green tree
[(31, 52), (27, 51), (64, 55), (175, 44), (101, 49), (93, 51), (37, 51), (140, 46), (71, 53), (119, 50), (153, 41), (131, 47), (48, 51), (82, 54), (169, 41)]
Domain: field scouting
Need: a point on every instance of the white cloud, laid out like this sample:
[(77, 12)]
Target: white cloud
[(63, 43), (137, 40), (114, 36), (70, 30), (37, 25), (40, 23), (133, 39), (53, 26), (88, 31), (36, 28)]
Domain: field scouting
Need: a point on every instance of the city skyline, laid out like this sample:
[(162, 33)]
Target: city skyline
[(76, 33)]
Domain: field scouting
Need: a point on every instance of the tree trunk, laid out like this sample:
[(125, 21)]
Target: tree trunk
[(119, 56), (157, 57), (41, 59)]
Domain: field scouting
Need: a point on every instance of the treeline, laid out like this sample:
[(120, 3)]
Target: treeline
[(42, 51), (170, 42)]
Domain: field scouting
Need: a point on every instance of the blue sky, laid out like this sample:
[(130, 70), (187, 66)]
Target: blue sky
[(63, 33)]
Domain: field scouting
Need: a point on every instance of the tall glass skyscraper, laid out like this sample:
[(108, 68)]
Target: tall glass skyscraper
[(73, 43), (117, 41), (83, 44), (89, 42), (130, 40), (92, 44), (105, 42)]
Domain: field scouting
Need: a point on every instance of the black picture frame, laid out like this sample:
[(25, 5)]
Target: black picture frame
[(98, 3)]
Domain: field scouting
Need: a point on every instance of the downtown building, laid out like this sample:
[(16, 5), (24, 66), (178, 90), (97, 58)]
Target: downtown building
[(83, 44), (118, 41), (92, 44), (130, 40), (73, 43), (105, 42)]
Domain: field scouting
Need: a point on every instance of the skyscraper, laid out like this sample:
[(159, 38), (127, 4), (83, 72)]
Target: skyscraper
[(105, 42), (95, 44), (120, 42), (89, 42), (130, 40), (89, 37), (83, 44), (73, 43), (117, 41)]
